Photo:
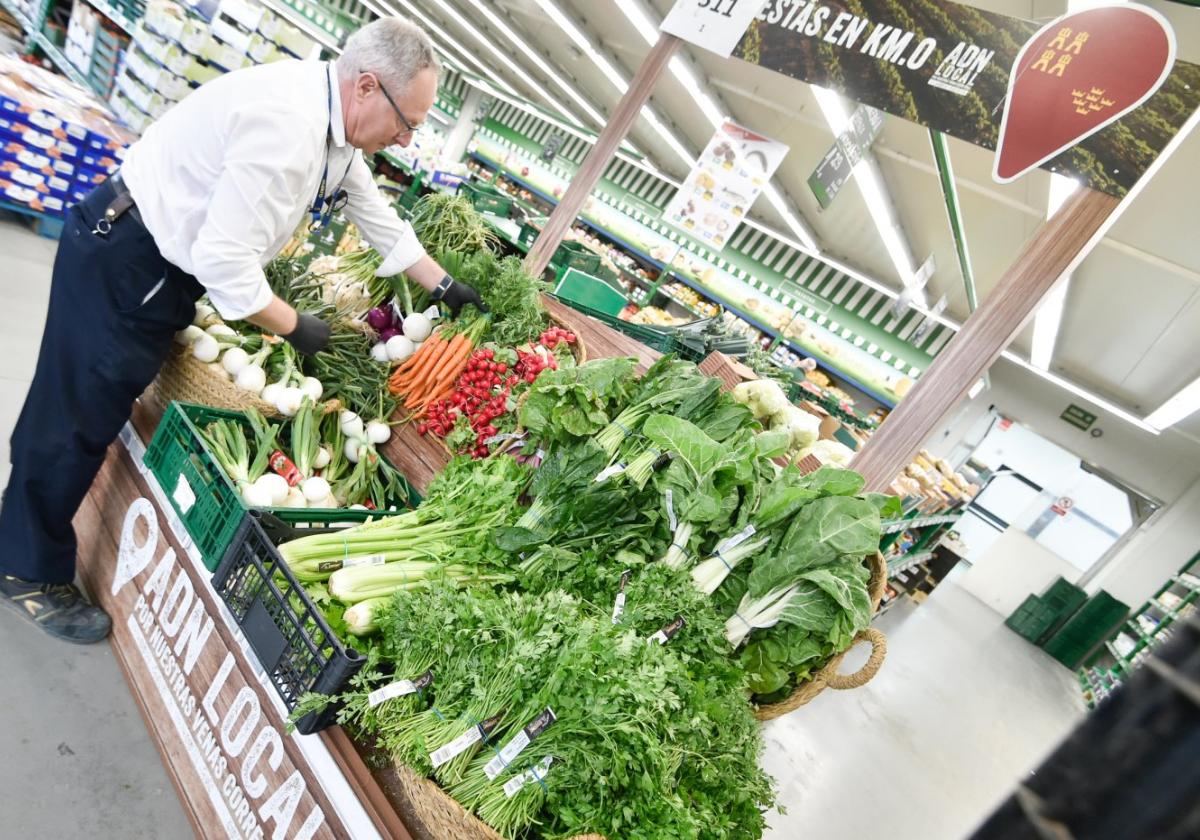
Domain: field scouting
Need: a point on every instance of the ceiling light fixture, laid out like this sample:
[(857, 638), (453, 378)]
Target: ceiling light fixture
[(1183, 404), (614, 76), (504, 58), (1049, 315), (879, 204), (520, 43), (465, 57)]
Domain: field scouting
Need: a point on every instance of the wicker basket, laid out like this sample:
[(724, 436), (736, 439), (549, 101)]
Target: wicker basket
[(828, 676), (441, 817), (187, 379)]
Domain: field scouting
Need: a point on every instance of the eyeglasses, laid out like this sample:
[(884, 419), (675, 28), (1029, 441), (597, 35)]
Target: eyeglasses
[(409, 128)]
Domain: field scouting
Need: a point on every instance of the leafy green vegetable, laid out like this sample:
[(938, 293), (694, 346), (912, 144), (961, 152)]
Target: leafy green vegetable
[(576, 402)]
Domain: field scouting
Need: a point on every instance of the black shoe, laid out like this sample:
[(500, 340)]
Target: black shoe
[(58, 608)]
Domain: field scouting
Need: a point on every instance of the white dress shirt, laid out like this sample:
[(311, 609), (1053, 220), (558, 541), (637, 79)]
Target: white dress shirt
[(224, 178)]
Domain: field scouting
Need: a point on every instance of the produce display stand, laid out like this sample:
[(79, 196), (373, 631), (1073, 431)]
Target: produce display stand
[(210, 709)]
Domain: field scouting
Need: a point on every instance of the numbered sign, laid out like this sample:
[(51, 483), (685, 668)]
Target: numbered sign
[(716, 25)]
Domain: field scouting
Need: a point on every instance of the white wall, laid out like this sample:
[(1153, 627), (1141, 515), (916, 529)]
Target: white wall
[(1165, 467), (1012, 569), (1157, 551)]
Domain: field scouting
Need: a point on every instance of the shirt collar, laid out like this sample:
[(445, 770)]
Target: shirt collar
[(337, 124)]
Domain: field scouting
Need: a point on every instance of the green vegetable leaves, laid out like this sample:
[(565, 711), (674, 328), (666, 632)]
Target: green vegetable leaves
[(821, 532), (576, 402)]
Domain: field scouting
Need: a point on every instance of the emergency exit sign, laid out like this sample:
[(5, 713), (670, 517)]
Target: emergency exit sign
[(1078, 418)]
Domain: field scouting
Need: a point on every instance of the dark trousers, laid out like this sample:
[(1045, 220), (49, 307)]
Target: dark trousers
[(115, 306)]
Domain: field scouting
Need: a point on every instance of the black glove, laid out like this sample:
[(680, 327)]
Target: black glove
[(310, 336), (457, 295)]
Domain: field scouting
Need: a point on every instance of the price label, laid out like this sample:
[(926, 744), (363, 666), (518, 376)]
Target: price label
[(519, 742), (465, 741), (736, 540), (667, 633), (351, 562), (715, 25), (619, 604), (609, 472), (400, 688), (183, 495), (533, 774)]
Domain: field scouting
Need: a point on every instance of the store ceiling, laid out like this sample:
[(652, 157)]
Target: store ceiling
[(1133, 309)]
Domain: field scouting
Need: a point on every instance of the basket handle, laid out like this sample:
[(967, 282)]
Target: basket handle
[(863, 675)]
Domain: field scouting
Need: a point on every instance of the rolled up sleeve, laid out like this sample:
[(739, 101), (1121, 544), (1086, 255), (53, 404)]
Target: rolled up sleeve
[(251, 204), (383, 229)]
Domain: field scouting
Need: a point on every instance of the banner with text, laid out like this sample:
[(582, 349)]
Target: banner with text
[(946, 66)]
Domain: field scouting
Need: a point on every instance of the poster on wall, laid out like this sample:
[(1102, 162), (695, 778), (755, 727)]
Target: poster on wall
[(947, 66), (727, 178)]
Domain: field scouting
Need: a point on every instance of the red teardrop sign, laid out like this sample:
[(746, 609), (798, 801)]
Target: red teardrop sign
[(1076, 75)]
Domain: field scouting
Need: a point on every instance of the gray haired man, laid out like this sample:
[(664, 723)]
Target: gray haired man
[(207, 197)]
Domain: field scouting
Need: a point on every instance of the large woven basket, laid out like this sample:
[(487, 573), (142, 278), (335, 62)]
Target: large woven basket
[(440, 815), (187, 379), (828, 676)]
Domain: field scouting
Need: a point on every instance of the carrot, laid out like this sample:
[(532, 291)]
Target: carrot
[(460, 346), (404, 383), (426, 376)]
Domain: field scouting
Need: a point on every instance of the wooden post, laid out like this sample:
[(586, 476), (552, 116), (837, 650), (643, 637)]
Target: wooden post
[(1056, 248), (602, 153)]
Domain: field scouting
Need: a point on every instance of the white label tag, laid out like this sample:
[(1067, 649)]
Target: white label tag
[(609, 472), (736, 539), (389, 692), (432, 313), (618, 608), (519, 742), (674, 523), (184, 496), (456, 747), (367, 560), (510, 751), (533, 774)]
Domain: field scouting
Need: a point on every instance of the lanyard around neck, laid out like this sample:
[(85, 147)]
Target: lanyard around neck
[(323, 206)]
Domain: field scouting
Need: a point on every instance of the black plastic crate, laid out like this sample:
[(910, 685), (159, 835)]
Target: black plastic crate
[(287, 632)]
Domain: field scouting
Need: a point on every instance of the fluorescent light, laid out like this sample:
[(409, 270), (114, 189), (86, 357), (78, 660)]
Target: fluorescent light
[(614, 76), (1061, 188), (540, 63), (1184, 403), (464, 53), (808, 242), (1049, 314), (879, 205), (1046, 324), (505, 58), (976, 389)]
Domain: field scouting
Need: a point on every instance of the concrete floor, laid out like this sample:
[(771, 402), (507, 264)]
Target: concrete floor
[(75, 759), (961, 710)]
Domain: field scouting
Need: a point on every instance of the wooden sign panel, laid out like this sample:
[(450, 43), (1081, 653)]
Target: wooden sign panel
[(237, 771)]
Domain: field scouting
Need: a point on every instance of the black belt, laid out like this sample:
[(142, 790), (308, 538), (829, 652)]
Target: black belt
[(122, 203)]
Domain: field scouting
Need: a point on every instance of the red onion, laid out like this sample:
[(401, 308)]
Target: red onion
[(388, 332), (379, 318)]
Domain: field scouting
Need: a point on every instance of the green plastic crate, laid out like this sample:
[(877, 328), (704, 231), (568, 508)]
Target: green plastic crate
[(205, 498), (1027, 620), (662, 340), (487, 199), (1086, 630), (573, 255), (578, 287), (530, 232)]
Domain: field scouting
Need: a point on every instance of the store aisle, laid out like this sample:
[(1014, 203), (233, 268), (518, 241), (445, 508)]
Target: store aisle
[(962, 709), (77, 758)]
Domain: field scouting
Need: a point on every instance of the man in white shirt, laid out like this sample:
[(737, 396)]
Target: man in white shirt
[(207, 197)]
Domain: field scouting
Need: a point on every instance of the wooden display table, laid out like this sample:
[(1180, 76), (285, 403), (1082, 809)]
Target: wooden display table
[(216, 720)]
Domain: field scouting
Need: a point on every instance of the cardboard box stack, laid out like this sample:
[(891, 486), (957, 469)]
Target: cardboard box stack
[(56, 140), (177, 48)]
